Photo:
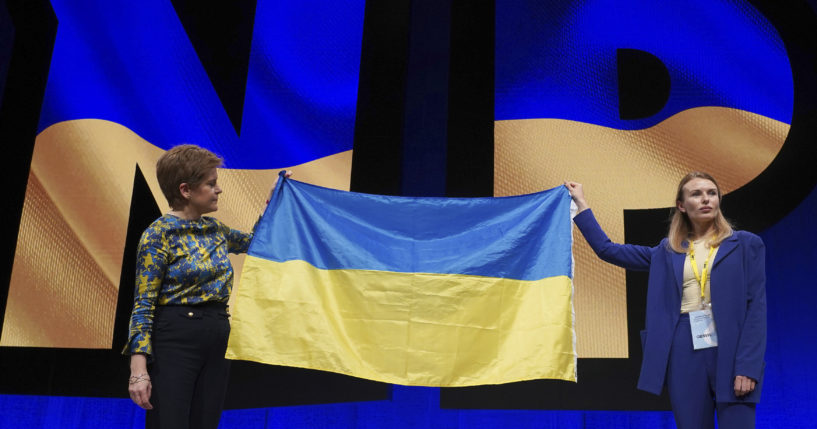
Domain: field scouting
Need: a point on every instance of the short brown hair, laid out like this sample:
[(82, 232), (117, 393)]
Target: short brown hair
[(186, 163), (680, 227)]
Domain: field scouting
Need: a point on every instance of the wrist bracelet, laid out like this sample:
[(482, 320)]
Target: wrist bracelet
[(138, 378)]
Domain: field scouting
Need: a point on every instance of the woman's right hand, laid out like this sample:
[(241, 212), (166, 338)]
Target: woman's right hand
[(577, 193), (139, 386)]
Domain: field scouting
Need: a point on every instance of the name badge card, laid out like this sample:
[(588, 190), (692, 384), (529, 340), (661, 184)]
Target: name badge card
[(704, 335)]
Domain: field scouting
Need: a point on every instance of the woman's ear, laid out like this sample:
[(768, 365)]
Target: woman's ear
[(680, 206), (184, 190)]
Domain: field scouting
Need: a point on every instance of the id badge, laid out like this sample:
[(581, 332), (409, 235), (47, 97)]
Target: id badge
[(702, 323)]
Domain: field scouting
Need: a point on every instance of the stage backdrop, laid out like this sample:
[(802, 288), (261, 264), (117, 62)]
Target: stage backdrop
[(119, 96), (626, 97), (622, 96)]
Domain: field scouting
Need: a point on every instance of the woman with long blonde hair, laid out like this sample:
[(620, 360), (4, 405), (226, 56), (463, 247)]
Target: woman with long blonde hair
[(705, 333)]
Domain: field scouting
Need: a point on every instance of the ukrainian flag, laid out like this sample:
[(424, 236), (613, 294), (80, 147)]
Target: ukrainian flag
[(413, 291)]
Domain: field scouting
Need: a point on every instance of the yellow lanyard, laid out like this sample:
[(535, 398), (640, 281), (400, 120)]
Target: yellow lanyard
[(700, 277)]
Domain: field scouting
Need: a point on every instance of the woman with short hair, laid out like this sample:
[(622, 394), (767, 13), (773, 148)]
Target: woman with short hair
[(179, 325)]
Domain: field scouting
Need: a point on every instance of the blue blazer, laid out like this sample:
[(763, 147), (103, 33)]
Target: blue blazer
[(738, 291)]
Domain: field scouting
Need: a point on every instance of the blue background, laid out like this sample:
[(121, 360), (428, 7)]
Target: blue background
[(301, 91), (558, 59)]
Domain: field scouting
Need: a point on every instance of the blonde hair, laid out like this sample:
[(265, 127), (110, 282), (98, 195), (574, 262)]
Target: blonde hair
[(185, 163), (680, 227)]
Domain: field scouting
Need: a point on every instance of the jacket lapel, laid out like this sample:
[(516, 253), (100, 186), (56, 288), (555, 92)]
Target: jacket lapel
[(727, 246)]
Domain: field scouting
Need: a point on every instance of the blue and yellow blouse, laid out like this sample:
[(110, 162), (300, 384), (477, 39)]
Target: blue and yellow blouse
[(181, 262)]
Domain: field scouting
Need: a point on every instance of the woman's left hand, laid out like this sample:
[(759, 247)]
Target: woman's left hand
[(288, 173), (744, 385)]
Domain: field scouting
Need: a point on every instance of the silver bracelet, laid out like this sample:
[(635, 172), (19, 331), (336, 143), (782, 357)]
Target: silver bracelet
[(138, 378)]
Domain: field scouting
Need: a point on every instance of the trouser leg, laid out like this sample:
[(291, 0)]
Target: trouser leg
[(690, 381), (736, 415), (173, 372), (211, 388)]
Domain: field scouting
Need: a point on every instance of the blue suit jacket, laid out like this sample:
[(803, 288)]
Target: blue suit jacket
[(738, 289)]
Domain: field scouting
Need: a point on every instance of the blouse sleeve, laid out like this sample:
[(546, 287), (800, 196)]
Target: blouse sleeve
[(629, 256), (151, 264), (238, 241)]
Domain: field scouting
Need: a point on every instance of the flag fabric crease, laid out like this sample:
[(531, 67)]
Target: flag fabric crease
[(413, 291)]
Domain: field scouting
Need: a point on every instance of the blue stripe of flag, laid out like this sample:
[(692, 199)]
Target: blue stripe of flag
[(525, 237)]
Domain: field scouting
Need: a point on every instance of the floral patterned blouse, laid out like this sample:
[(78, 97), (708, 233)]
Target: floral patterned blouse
[(181, 262)]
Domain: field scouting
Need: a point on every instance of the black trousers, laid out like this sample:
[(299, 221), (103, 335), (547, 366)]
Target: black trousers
[(189, 372)]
